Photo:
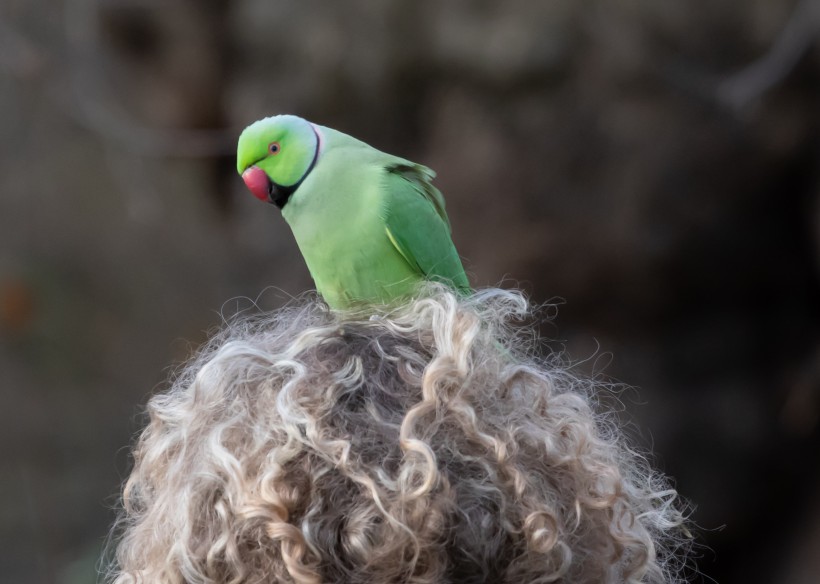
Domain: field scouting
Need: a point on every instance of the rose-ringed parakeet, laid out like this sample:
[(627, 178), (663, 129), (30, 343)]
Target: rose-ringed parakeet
[(370, 226)]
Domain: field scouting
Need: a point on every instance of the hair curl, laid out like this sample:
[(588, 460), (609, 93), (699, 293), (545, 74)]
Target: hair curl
[(425, 444)]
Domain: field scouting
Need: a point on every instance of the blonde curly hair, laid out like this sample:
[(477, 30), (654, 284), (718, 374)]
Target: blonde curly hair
[(425, 444)]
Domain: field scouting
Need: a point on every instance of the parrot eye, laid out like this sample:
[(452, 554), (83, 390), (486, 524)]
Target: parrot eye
[(274, 147)]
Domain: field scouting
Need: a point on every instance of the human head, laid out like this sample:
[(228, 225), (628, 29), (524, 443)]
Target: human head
[(422, 445)]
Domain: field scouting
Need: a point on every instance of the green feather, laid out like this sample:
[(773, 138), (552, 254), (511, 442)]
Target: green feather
[(370, 226), (418, 227)]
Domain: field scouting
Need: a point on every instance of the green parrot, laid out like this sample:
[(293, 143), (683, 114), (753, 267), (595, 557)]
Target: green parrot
[(370, 226)]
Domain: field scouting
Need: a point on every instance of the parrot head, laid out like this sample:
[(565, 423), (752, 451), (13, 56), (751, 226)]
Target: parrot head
[(275, 155)]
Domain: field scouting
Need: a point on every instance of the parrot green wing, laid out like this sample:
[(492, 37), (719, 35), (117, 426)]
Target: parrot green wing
[(417, 225)]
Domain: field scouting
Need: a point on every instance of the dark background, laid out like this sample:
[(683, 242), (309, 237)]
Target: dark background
[(654, 163)]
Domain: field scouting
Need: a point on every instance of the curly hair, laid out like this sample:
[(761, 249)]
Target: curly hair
[(428, 443)]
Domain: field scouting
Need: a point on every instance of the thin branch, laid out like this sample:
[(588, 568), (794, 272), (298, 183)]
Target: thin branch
[(751, 82)]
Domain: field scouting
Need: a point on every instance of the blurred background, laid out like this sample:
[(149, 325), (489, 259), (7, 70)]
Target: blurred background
[(653, 163)]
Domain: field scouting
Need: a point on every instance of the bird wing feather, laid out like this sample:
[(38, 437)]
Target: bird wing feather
[(417, 225)]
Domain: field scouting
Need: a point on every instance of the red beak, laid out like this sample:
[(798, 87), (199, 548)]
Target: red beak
[(258, 183)]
